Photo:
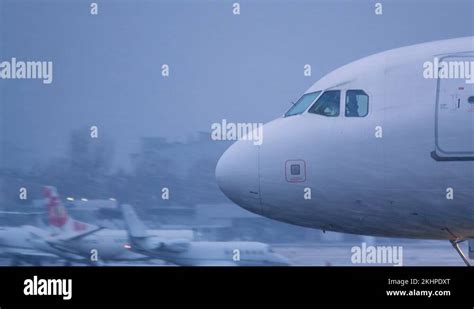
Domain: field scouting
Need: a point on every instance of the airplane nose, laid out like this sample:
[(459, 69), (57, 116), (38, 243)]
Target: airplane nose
[(237, 174)]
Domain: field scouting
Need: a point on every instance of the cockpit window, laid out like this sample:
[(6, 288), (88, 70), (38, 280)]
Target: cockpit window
[(327, 104), (357, 103), (302, 104)]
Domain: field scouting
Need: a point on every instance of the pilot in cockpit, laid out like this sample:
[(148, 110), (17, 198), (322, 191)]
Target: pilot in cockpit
[(352, 107)]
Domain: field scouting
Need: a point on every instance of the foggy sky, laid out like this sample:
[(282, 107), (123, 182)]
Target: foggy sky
[(107, 68)]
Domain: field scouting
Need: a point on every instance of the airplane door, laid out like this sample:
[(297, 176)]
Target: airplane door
[(454, 132)]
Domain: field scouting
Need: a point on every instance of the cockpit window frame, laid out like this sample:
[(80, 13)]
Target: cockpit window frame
[(341, 92), (309, 105), (345, 103)]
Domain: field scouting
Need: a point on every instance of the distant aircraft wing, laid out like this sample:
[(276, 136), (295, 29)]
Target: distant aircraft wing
[(29, 253), (75, 235), (215, 263), (33, 253), (22, 213), (175, 245)]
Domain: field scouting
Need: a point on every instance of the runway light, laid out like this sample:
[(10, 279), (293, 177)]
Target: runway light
[(70, 198), (84, 199), (112, 199), (127, 246)]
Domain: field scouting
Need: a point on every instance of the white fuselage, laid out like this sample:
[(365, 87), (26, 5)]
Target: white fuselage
[(112, 245), (396, 184), (232, 253)]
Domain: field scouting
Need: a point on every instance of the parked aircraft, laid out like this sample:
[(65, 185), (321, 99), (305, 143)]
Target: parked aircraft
[(197, 253), (92, 242)]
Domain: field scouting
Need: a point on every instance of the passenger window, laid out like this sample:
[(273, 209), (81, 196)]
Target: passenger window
[(357, 103), (327, 104)]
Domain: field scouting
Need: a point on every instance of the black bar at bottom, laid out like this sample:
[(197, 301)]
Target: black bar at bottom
[(291, 285)]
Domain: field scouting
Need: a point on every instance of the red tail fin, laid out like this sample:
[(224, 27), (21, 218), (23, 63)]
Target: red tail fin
[(57, 214)]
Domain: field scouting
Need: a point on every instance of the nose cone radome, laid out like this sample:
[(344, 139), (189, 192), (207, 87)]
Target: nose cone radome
[(238, 176)]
